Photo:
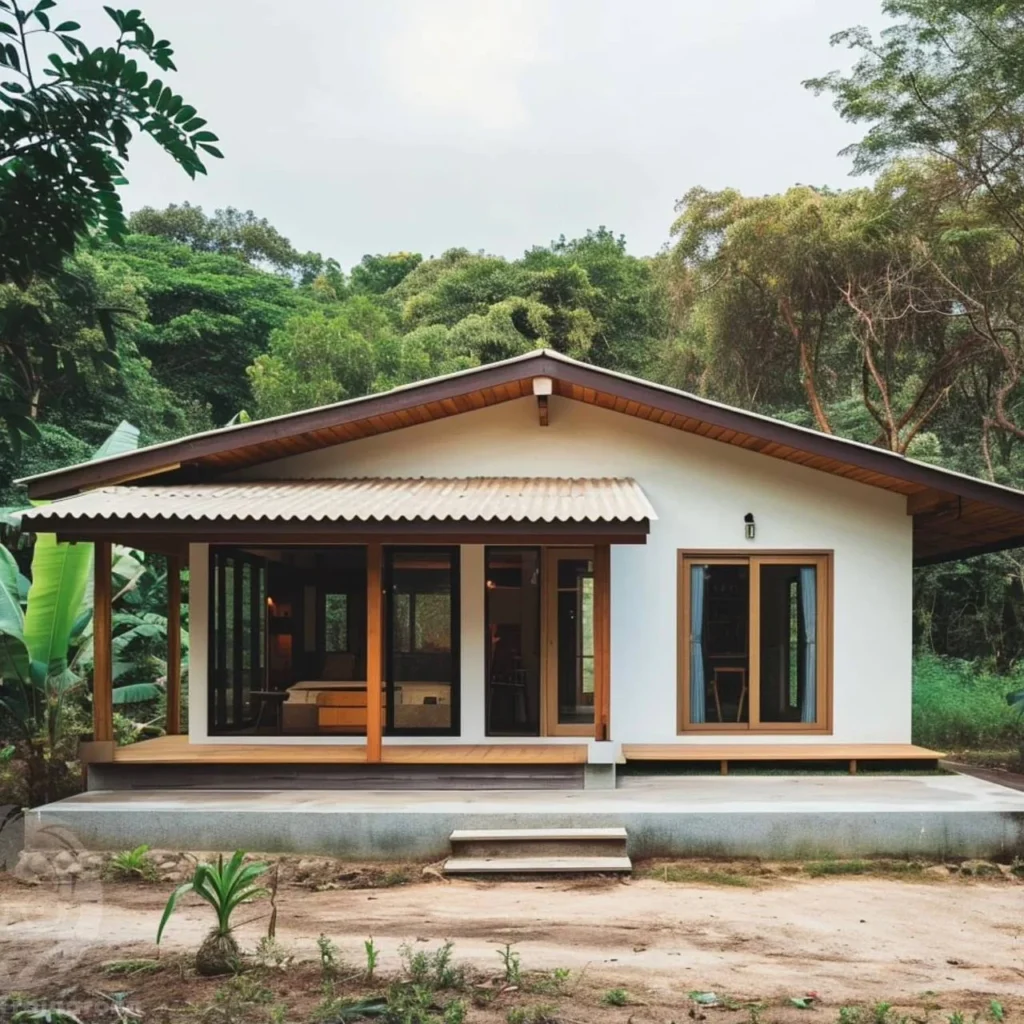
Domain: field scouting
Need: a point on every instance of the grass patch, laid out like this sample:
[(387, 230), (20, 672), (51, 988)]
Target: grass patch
[(682, 872), (826, 868), (957, 705)]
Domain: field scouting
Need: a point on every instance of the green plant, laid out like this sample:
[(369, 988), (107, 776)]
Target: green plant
[(46, 1015), (615, 997), (330, 960), (532, 1015), (224, 887), (880, 1013), (132, 864), (850, 1015), (996, 1012), (455, 1012), (372, 956), (271, 953), (511, 963), (956, 1017), (433, 969), (41, 644), (957, 705)]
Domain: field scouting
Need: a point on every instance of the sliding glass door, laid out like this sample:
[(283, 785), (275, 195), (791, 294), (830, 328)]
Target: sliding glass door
[(512, 600), (421, 663), (238, 595), (569, 575), (754, 643)]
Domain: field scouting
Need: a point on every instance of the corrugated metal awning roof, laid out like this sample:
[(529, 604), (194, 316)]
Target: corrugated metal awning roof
[(489, 499)]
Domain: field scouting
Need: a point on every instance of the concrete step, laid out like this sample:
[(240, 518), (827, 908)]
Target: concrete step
[(515, 850), (534, 865)]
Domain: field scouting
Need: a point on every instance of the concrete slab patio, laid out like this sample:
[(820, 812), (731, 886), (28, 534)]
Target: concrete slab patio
[(768, 817)]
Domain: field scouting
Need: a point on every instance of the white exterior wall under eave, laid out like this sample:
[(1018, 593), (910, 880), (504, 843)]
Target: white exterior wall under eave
[(701, 490)]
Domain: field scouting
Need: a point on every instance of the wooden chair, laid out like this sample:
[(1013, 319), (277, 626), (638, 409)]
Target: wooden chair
[(734, 670)]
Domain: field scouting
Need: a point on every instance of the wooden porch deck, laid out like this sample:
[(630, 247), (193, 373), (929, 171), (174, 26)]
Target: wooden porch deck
[(723, 753), (178, 750)]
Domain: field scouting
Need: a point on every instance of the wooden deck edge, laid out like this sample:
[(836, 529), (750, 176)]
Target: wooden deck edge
[(175, 751), (802, 752)]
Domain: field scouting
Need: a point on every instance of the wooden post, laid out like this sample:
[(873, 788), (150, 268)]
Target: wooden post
[(374, 652), (602, 641), (102, 665), (174, 645)]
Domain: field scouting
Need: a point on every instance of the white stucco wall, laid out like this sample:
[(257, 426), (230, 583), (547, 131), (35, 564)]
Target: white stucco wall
[(701, 490)]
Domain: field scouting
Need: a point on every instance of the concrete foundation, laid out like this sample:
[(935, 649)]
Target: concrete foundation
[(769, 817)]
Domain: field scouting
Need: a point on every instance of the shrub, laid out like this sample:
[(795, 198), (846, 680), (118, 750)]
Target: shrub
[(958, 705)]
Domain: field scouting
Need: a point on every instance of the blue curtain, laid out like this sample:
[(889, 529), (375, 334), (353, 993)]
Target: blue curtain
[(698, 710), (809, 609)]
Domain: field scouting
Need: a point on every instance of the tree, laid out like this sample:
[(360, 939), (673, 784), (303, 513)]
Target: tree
[(210, 316), (834, 290), (375, 275), (40, 645), (229, 232), (946, 84), (65, 131)]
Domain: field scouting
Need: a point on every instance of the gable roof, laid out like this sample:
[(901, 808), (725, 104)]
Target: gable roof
[(955, 515)]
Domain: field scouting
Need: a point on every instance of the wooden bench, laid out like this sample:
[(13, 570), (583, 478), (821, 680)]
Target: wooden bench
[(723, 753)]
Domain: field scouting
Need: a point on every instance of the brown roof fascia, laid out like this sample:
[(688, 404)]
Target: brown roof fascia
[(875, 460), (153, 461)]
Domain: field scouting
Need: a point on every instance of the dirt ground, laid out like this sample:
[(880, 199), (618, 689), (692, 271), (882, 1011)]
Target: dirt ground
[(933, 947)]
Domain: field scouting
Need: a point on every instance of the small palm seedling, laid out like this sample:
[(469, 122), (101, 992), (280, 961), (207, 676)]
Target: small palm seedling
[(225, 887), (132, 864)]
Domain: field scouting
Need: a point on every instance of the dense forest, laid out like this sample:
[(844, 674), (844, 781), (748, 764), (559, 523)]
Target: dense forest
[(890, 312)]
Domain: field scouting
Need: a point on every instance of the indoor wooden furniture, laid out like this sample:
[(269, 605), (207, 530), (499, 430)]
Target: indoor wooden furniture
[(724, 670), (343, 710)]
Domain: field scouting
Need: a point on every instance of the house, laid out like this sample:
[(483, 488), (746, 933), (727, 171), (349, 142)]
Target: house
[(535, 566)]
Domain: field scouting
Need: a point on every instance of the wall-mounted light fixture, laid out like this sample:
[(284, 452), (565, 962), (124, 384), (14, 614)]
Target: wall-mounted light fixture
[(748, 525)]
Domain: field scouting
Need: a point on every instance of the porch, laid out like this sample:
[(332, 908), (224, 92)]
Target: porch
[(783, 817)]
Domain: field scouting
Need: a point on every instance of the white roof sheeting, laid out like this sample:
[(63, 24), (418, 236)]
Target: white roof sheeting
[(500, 499)]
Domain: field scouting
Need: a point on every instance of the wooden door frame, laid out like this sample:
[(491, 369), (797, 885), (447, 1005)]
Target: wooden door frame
[(549, 725)]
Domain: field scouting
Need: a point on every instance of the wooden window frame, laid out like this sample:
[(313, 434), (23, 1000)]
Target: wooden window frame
[(823, 563)]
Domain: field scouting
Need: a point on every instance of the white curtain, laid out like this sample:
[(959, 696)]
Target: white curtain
[(698, 710), (809, 608)]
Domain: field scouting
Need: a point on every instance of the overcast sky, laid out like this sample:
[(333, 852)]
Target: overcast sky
[(358, 126)]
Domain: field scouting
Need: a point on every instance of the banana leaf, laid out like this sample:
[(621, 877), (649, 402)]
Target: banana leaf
[(60, 573), (14, 656), (136, 693)]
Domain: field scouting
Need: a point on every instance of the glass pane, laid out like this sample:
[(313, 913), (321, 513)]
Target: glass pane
[(336, 622), (719, 656), (788, 643), (244, 626), (512, 598), (228, 677), (574, 611), (421, 662)]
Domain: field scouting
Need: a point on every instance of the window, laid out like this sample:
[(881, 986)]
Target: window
[(336, 623), (754, 642)]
